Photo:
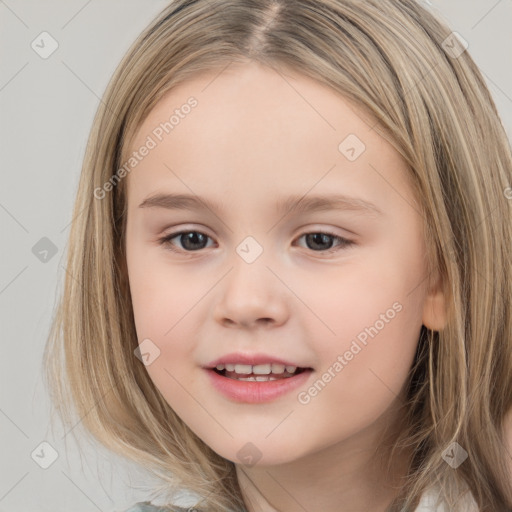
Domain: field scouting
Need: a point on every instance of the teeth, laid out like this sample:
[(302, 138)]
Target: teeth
[(258, 369), (278, 368), (257, 379), (243, 368), (261, 369)]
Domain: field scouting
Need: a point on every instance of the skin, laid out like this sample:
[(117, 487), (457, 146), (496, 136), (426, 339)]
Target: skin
[(255, 137)]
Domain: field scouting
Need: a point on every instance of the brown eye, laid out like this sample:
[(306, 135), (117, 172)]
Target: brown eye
[(194, 241), (323, 242), (190, 241)]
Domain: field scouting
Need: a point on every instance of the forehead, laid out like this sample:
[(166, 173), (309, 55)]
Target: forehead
[(254, 128), (257, 97)]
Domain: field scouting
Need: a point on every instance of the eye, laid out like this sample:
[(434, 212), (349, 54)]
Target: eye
[(318, 241), (193, 241)]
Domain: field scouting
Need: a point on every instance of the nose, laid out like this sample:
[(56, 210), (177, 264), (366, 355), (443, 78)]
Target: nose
[(251, 296)]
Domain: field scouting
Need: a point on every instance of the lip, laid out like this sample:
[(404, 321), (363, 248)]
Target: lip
[(252, 359), (256, 392)]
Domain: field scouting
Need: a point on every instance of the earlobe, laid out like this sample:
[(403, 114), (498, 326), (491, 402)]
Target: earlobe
[(435, 313)]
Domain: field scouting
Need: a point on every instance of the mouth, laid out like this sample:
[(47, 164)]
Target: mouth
[(259, 372), (256, 377), (252, 384)]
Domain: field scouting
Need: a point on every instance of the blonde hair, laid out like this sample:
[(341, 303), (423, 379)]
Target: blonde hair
[(392, 59)]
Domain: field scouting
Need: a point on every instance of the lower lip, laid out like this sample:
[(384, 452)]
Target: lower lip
[(256, 391)]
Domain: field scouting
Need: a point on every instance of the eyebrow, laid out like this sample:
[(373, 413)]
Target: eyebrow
[(292, 204)]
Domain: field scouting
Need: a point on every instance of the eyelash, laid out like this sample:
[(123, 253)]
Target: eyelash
[(166, 241)]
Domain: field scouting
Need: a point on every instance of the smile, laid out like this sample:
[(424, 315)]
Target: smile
[(249, 386), (257, 373)]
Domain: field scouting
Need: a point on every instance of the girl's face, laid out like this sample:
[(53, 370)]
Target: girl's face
[(338, 287)]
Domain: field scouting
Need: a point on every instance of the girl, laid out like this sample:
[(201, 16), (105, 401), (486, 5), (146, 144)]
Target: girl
[(205, 331)]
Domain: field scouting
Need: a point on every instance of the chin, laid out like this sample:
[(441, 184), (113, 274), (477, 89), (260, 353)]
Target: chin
[(257, 454)]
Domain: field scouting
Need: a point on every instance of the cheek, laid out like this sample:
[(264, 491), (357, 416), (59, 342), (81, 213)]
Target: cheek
[(161, 293), (163, 299), (366, 364), (361, 297), (160, 313), (371, 313)]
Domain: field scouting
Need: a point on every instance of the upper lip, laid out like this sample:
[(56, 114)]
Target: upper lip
[(252, 359)]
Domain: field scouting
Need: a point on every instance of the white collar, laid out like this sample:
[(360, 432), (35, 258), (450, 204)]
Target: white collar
[(429, 499)]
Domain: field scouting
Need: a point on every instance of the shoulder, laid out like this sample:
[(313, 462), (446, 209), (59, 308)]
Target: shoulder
[(146, 506), (430, 503)]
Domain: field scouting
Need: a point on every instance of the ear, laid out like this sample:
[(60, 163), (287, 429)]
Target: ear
[(435, 314)]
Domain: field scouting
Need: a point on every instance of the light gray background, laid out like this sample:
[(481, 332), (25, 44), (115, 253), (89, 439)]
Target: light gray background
[(47, 107)]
